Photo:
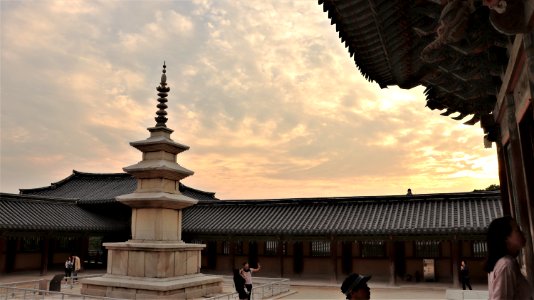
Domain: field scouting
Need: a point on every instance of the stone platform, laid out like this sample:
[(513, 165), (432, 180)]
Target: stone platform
[(128, 287), (148, 270)]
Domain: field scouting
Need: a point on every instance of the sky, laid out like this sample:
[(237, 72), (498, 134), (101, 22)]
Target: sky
[(264, 93)]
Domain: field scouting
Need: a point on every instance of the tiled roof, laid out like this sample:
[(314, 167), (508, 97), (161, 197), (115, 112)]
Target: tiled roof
[(432, 214), (30, 213), (395, 42), (101, 187), (366, 28)]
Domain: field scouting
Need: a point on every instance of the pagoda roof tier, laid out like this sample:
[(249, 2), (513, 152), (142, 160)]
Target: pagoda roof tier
[(159, 143), (158, 169), (157, 200)]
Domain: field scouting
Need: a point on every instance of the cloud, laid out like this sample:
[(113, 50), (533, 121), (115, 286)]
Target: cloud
[(263, 92)]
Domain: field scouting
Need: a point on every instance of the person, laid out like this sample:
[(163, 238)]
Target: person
[(355, 287), (68, 268), (409, 193), (246, 273), (76, 267), (464, 275), (505, 281), (239, 283)]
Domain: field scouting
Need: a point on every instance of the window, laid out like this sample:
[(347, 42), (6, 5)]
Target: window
[(239, 247), (271, 248), (94, 251), (480, 249), (225, 248), (95, 243), (284, 248), (426, 249), (320, 248), (373, 249), (66, 244), (30, 245)]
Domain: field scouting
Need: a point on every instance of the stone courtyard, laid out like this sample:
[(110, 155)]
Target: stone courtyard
[(300, 289)]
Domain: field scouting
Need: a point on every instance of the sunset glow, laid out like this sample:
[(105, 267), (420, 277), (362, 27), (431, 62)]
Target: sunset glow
[(263, 92)]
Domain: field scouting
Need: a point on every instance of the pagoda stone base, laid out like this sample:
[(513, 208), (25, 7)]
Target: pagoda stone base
[(152, 269), (125, 287)]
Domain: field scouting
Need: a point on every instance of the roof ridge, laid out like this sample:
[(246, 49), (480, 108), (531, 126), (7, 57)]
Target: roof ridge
[(99, 174), (434, 196), (197, 190), (52, 185), (16, 197), (75, 173), (359, 199)]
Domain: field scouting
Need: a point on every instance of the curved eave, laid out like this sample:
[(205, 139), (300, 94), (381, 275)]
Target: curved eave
[(380, 39)]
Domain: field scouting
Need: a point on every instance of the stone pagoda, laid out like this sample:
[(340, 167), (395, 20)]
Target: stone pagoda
[(155, 263)]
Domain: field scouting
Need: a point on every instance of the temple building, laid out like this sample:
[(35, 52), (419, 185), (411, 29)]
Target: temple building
[(397, 238), (476, 61)]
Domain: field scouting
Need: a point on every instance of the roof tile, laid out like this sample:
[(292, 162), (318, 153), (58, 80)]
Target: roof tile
[(425, 214)]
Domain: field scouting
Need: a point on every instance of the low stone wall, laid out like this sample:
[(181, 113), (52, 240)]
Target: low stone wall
[(465, 294)]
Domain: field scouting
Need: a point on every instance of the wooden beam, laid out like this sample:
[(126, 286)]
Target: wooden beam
[(513, 68)]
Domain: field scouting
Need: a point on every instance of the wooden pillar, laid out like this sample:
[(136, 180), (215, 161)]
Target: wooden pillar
[(503, 179), (519, 187), (232, 245), (11, 254), (280, 251), (455, 262), (527, 202), (82, 248), (527, 140), (44, 255), (391, 255), (333, 243)]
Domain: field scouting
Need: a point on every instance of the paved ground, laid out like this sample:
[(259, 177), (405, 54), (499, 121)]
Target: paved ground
[(307, 292), (322, 290), (301, 289)]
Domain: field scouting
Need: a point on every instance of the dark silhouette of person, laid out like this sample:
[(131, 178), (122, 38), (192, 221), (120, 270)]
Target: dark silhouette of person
[(409, 192), (464, 275), (239, 283), (355, 287), (505, 280)]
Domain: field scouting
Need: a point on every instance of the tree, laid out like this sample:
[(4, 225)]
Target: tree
[(493, 187)]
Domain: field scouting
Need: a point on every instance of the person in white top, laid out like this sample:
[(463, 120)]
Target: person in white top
[(68, 268), (246, 273), (505, 280)]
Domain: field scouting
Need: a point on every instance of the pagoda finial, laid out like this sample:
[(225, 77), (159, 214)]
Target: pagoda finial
[(162, 89)]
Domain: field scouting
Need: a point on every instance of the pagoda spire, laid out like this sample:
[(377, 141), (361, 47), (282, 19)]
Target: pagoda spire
[(162, 89)]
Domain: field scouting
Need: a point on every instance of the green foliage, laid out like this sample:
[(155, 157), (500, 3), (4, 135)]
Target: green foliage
[(493, 187)]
